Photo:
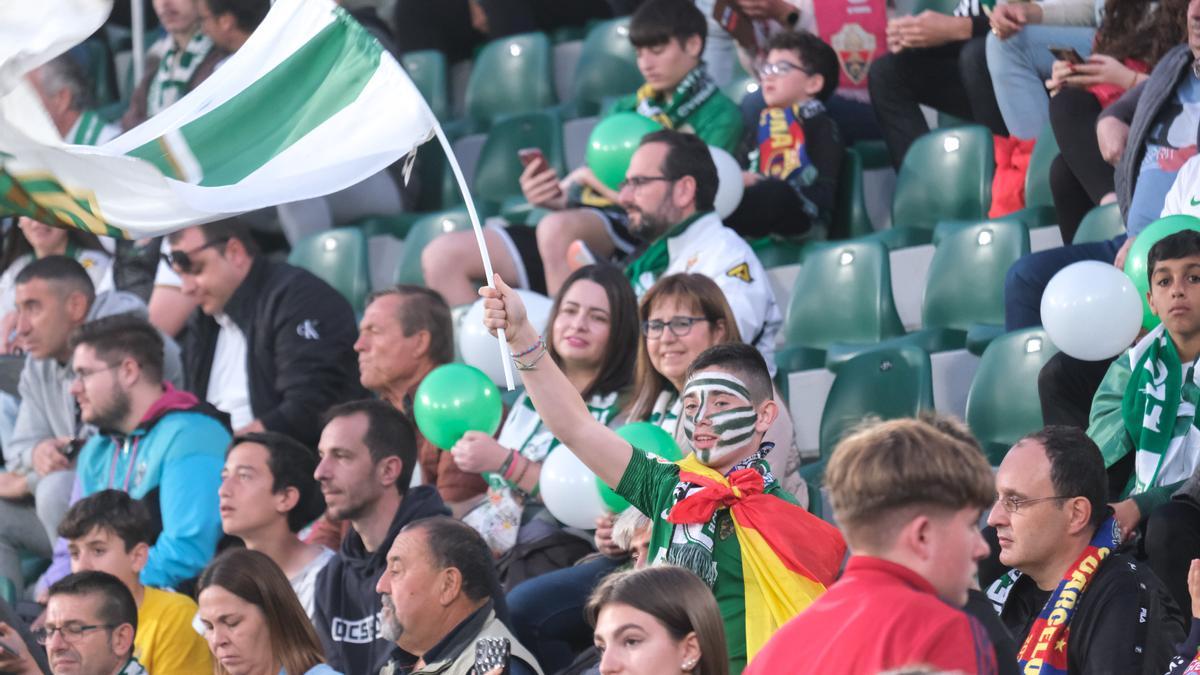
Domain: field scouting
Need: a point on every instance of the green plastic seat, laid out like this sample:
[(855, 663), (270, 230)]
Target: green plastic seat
[(1100, 224), (740, 87), (843, 294), (607, 68), (396, 225), (887, 384), (427, 69), (941, 6), (776, 251), (8, 591), (425, 230), (512, 75), (339, 257), (874, 154), (850, 217), (498, 170), (1003, 403), (946, 175), (1039, 200)]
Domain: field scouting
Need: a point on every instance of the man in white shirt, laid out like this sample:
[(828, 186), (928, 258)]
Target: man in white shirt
[(63, 89)]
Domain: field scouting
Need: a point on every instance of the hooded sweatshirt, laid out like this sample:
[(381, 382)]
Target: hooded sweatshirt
[(47, 408), (172, 461), (347, 616)]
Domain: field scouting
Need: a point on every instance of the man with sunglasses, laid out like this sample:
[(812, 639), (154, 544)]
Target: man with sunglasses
[(269, 343), (668, 193), (91, 620), (1076, 604)]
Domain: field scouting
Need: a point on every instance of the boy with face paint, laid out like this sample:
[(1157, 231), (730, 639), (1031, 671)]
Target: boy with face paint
[(718, 512)]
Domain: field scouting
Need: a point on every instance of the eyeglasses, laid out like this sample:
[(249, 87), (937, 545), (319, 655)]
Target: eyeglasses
[(181, 261), (70, 632), (780, 68), (1013, 504), (679, 325), (83, 375), (637, 182)]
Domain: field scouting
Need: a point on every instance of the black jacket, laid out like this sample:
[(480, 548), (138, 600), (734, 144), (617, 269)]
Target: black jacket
[(347, 605), (1125, 623), (300, 357)]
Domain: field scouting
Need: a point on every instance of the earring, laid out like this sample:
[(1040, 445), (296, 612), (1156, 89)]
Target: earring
[(688, 666)]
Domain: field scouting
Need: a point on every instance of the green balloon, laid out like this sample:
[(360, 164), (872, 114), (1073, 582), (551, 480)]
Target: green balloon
[(611, 145), (1139, 253), (454, 399), (644, 437)]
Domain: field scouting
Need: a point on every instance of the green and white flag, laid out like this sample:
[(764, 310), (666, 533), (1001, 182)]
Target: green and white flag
[(310, 105)]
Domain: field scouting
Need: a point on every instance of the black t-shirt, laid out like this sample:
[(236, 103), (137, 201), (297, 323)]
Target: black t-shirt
[(1125, 622)]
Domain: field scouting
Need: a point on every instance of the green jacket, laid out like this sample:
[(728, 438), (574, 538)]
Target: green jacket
[(718, 121)]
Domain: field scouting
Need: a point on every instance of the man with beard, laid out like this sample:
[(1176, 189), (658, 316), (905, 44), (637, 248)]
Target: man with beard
[(157, 443), (438, 598), (367, 453)]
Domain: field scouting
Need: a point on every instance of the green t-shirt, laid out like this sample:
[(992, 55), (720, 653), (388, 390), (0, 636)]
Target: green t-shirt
[(650, 485)]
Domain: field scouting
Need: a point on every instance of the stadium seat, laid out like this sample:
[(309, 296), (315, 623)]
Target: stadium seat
[(740, 86), (1003, 403), (339, 257), (885, 384), (396, 225), (1039, 200), (946, 175), (424, 231), (100, 70), (941, 6), (498, 170), (1100, 224), (607, 68), (511, 75), (850, 217), (843, 294), (428, 71)]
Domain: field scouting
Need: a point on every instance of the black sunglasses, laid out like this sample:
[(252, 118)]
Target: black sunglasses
[(181, 261)]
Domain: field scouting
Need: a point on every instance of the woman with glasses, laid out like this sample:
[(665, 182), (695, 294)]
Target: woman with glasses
[(590, 335), (252, 620)]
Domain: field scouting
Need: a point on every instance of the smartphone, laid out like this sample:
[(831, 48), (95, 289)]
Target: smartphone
[(1067, 54), (73, 447), (532, 155), (8, 649)]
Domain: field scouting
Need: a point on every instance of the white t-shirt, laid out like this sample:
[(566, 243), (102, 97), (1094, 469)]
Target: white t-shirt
[(305, 581), (1184, 195), (228, 386)]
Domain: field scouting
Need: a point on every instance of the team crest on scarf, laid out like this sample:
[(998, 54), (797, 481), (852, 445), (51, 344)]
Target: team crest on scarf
[(854, 47)]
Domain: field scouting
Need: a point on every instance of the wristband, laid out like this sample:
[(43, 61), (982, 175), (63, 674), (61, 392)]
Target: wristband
[(532, 349), (506, 467)]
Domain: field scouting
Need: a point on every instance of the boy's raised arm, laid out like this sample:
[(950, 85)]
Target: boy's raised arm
[(557, 402)]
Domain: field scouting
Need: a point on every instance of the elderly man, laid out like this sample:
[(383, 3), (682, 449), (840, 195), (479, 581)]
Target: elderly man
[(438, 594)]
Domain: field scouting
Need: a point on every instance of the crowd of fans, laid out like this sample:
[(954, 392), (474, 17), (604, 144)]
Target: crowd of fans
[(218, 458)]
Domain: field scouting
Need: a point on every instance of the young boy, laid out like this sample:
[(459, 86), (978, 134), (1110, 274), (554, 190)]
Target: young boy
[(669, 38), (719, 512), (799, 149), (111, 532), (1144, 417)]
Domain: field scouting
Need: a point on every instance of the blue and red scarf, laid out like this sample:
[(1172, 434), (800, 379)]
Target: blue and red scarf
[(1045, 649)]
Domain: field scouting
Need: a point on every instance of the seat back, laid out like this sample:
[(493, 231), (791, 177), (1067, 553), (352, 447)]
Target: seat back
[(514, 74), (607, 67), (843, 293), (885, 383), (498, 170), (1037, 177), (966, 276), (339, 257), (1003, 403), (1100, 224), (850, 217), (427, 69), (425, 230), (946, 175)]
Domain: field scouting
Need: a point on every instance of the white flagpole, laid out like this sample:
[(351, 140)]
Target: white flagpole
[(138, 27)]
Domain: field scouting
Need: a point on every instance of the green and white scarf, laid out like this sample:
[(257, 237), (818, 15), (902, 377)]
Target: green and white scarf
[(175, 72), (650, 265), (692, 91), (87, 129), (133, 668), (1159, 410), (691, 546)]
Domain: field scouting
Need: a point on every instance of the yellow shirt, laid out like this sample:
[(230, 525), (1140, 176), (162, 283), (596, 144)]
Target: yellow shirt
[(166, 643)]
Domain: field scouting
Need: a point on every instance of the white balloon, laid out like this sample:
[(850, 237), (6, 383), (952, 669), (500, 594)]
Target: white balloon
[(1091, 310), (569, 490), (729, 182), (477, 347)]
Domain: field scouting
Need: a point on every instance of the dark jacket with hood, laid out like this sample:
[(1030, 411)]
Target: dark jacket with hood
[(300, 357), (347, 604)]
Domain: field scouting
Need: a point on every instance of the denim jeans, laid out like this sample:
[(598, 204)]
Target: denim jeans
[(1027, 278), (1021, 64), (547, 611)]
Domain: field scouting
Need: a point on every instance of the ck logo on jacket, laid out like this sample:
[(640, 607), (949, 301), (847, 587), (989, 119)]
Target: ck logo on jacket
[(307, 329)]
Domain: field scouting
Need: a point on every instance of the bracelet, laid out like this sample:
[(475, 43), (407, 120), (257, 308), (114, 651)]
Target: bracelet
[(540, 343), (521, 365), (524, 470), (506, 467)]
